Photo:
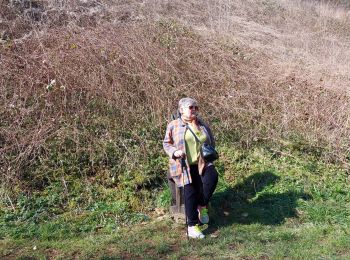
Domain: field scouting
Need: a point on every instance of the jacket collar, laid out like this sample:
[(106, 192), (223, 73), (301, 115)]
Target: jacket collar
[(182, 123)]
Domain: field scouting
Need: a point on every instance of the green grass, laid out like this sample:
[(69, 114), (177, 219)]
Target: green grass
[(267, 205)]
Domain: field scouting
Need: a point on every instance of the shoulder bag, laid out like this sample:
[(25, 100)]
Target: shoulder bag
[(207, 151)]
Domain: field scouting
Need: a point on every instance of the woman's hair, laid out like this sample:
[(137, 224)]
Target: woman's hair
[(187, 102)]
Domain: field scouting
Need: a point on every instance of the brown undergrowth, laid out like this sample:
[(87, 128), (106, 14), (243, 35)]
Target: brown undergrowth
[(87, 92)]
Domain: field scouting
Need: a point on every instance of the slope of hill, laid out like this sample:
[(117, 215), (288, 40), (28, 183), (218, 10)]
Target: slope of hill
[(88, 86)]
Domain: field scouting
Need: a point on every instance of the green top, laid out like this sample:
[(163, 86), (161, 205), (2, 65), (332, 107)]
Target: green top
[(192, 146)]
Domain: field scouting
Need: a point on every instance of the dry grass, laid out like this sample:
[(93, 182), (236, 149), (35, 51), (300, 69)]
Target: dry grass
[(268, 70), (308, 37), (299, 60)]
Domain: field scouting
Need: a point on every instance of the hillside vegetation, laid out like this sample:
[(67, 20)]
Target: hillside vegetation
[(87, 88)]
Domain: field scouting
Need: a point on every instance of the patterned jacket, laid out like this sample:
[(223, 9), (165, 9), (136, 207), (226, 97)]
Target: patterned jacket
[(175, 140)]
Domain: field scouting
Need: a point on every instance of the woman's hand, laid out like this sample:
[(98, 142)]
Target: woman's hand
[(179, 154)]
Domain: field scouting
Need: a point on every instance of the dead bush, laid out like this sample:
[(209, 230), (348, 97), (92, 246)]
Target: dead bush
[(75, 99)]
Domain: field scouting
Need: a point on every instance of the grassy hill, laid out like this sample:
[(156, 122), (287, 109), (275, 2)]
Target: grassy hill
[(88, 87), (268, 205)]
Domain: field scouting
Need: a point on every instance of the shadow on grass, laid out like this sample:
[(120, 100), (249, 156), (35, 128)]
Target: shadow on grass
[(241, 204)]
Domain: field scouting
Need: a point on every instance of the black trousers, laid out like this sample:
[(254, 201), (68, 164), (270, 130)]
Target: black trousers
[(199, 192)]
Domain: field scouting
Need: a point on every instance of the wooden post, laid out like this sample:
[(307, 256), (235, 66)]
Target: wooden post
[(177, 208)]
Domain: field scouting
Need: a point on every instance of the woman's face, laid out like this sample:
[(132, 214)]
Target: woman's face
[(189, 111)]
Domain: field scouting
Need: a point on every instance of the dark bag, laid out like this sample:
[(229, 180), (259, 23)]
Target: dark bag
[(207, 151)]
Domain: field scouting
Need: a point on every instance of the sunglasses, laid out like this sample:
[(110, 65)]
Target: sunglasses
[(193, 107)]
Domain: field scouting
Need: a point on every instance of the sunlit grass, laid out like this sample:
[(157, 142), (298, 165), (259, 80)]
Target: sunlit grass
[(264, 206)]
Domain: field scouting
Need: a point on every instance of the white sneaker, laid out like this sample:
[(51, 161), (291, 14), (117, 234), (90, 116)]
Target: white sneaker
[(195, 232)]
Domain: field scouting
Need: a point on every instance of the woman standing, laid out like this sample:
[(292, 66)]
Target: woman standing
[(180, 143)]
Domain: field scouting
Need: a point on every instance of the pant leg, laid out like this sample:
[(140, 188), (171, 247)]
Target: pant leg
[(193, 196), (209, 179)]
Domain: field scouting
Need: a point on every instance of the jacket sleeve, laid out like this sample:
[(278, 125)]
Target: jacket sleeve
[(210, 133), (212, 139), (168, 142)]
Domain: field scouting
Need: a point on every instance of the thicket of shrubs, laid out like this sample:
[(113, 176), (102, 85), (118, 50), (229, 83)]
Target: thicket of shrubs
[(84, 104)]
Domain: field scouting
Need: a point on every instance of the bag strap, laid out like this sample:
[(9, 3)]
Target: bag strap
[(197, 139)]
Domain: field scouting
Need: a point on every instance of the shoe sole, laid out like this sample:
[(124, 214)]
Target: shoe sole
[(203, 227)]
